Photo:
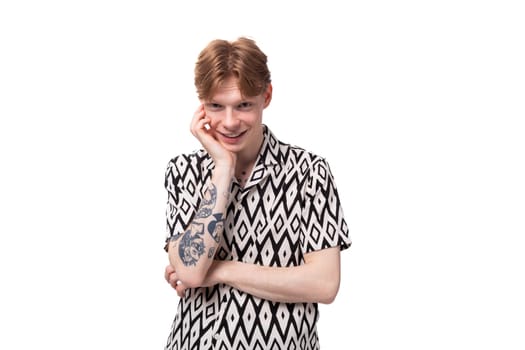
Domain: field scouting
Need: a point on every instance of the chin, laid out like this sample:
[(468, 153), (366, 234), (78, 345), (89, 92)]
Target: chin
[(232, 148)]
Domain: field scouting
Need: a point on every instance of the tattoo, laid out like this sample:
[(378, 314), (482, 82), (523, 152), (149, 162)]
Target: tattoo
[(175, 237), (216, 226), (191, 246), (207, 203)]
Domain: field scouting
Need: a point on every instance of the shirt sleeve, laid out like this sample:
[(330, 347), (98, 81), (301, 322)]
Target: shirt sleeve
[(323, 222), (182, 184)]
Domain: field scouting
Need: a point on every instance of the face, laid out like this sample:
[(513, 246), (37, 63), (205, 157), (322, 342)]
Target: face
[(236, 121)]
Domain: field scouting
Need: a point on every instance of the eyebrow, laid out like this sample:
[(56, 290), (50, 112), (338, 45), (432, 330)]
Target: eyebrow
[(244, 100)]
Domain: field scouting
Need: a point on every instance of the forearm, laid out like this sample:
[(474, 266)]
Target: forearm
[(317, 280), (191, 252)]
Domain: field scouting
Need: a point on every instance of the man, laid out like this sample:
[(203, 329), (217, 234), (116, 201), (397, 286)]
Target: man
[(254, 226)]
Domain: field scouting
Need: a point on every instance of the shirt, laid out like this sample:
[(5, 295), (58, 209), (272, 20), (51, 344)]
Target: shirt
[(288, 207)]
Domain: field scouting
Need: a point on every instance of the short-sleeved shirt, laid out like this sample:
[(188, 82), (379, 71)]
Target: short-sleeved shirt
[(288, 207)]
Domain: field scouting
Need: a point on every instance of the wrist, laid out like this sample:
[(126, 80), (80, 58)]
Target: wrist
[(225, 169), (222, 271)]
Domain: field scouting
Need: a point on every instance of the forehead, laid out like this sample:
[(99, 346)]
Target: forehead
[(228, 92)]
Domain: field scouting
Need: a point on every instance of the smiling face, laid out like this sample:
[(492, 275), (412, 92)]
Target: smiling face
[(236, 120)]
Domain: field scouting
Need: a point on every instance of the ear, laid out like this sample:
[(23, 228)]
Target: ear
[(268, 95)]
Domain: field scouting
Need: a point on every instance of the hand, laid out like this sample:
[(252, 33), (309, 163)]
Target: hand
[(200, 128), (171, 277)]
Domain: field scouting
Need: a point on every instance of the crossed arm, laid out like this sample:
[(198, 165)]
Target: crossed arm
[(191, 252), (317, 280), (192, 263)]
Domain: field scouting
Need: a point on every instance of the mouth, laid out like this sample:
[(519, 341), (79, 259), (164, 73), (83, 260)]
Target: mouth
[(232, 137)]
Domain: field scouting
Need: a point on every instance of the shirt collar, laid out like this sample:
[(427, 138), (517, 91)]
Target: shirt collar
[(270, 152)]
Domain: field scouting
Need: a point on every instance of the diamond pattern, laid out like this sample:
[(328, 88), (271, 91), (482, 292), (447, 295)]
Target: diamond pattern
[(289, 207)]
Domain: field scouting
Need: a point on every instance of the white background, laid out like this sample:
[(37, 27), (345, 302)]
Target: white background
[(417, 105)]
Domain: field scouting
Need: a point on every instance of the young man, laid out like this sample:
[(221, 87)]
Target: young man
[(254, 226)]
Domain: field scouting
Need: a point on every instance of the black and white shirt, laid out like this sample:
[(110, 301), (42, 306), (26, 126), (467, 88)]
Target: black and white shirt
[(288, 207)]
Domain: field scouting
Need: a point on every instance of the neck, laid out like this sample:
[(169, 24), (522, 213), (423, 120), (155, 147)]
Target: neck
[(244, 165), (246, 159)]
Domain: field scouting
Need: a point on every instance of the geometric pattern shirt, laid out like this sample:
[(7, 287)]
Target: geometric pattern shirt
[(288, 207)]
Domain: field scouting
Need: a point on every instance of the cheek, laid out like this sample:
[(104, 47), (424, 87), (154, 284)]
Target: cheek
[(214, 119), (255, 118)]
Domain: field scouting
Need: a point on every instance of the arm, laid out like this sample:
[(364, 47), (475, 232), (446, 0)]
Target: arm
[(191, 250), (317, 280)]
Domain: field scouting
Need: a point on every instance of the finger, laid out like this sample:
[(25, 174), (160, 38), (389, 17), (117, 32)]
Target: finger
[(200, 125), (197, 118), (168, 271), (173, 279), (181, 290)]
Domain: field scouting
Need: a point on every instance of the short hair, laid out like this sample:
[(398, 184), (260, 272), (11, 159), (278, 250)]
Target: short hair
[(222, 59)]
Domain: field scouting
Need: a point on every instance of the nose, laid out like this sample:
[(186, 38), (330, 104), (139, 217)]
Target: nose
[(230, 120)]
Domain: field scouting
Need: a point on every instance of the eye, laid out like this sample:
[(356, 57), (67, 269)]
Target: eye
[(213, 106), (244, 105)]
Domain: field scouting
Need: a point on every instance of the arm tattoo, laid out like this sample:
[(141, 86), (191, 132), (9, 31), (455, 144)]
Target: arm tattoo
[(191, 246), (175, 237), (216, 226), (207, 202)]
